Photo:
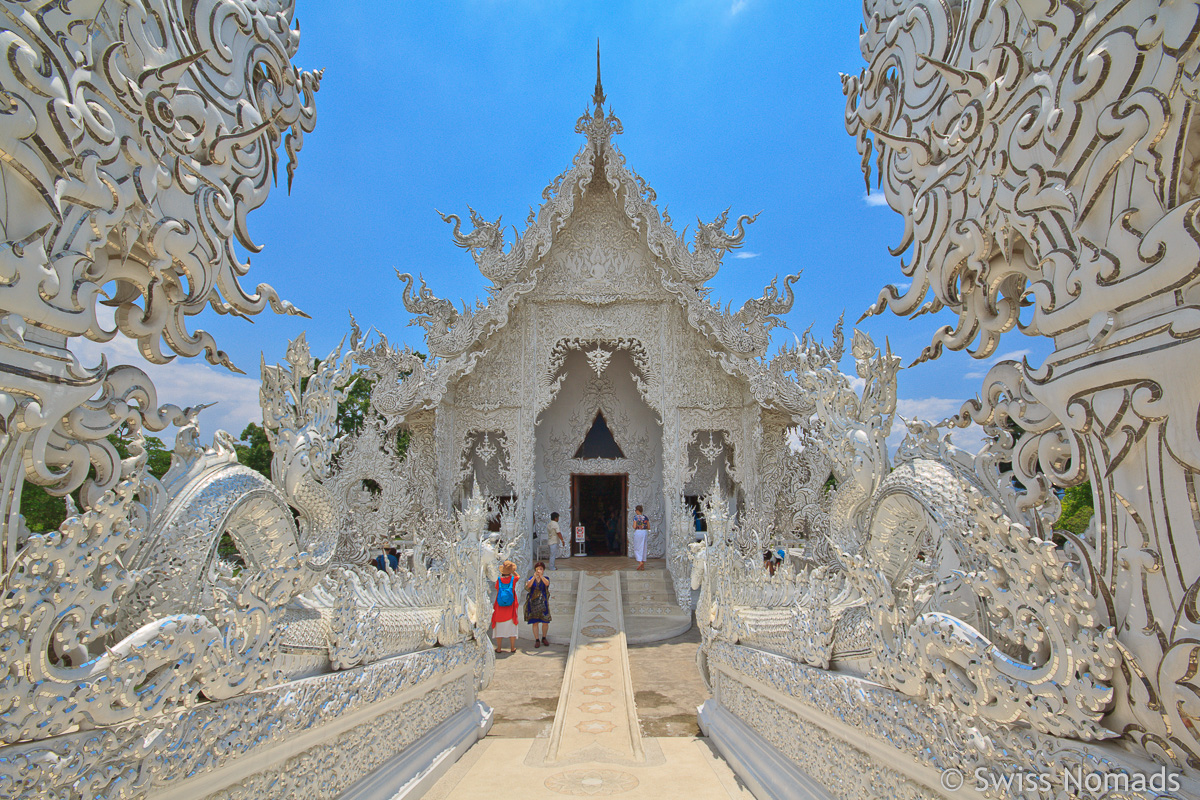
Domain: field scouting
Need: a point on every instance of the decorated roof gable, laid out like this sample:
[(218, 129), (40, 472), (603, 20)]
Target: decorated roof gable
[(597, 178)]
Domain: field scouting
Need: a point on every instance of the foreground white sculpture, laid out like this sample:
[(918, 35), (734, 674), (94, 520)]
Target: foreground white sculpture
[(137, 661), (1074, 165), (924, 620), (1042, 157)]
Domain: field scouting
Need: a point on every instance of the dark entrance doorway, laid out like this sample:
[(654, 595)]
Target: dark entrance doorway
[(598, 504)]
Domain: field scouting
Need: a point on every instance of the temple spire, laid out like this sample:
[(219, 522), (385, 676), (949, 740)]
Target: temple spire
[(598, 95)]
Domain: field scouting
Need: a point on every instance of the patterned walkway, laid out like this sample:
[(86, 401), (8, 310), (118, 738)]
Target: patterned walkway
[(595, 747), (596, 718)]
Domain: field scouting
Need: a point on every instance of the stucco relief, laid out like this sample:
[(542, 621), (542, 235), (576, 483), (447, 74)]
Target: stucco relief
[(488, 382), (710, 457), (634, 427), (486, 462), (598, 259), (632, 327)]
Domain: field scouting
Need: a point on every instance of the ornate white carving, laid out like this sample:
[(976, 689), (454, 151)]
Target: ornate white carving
[(136, 657), (598, 359), (1074, 166), (301, 425), (927, 583), (138, 139), (929, 738), (192, 747)]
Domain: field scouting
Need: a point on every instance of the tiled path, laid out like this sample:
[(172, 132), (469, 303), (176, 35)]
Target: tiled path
[(596, 718), (595, 747)]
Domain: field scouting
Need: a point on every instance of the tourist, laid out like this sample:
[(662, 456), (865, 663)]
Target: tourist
[(537, 603), (504, 610), (388, 560), (771, 561), (641, 528), (554, 534)]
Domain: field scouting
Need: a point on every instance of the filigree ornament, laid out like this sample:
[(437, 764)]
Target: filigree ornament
[(1036, 603), (598, 359), (1043, 158), (71, 673), (486, 450), (711, 450), (137, 152), (922, 581)]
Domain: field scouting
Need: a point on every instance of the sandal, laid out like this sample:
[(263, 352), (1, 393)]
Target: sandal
[(545, 642), (513, 650)]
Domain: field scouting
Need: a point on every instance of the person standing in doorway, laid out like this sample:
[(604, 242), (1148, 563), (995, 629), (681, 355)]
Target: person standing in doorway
[(641, 529), (554, 534), (504, 610)]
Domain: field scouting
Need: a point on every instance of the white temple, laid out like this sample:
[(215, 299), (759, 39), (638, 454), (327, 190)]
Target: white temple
[(598, 376), (926, 630)]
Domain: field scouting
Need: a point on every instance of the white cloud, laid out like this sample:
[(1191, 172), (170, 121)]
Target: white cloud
[(931, 408), (738, 6), (745, 254), (934, 409), (877, 199), (1012, 355), (188, 383)]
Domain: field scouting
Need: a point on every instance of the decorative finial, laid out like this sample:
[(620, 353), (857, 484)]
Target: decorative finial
[(598, 95)]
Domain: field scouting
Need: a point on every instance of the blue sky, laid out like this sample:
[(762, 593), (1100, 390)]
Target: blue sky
[(725, 103)]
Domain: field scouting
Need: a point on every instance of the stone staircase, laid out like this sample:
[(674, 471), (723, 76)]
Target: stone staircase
[(564, 589), (651, 610)]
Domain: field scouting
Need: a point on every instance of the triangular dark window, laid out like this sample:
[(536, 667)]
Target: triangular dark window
[(599, 442)]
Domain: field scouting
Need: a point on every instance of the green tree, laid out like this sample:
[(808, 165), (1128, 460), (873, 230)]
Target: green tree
[(45, 512), (254, 450), (1077, 509), (42, 510), (353, 410)]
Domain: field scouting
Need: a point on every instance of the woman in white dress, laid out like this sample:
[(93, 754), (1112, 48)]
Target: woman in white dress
[(641, 528)]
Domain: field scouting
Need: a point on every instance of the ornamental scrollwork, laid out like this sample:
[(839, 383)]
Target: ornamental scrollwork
[(1036, 605), (1042, 158), (71, 674), (922, 581), (136, 151)]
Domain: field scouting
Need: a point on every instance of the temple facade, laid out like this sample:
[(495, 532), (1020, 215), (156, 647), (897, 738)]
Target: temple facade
[(598, 376)]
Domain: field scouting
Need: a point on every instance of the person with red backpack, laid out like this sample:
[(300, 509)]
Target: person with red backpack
[(504, 609)]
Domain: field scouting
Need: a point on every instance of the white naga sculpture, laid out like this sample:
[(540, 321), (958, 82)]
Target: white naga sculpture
[(922, 575), (1056, 192), (1043, 156), (172, 635)]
